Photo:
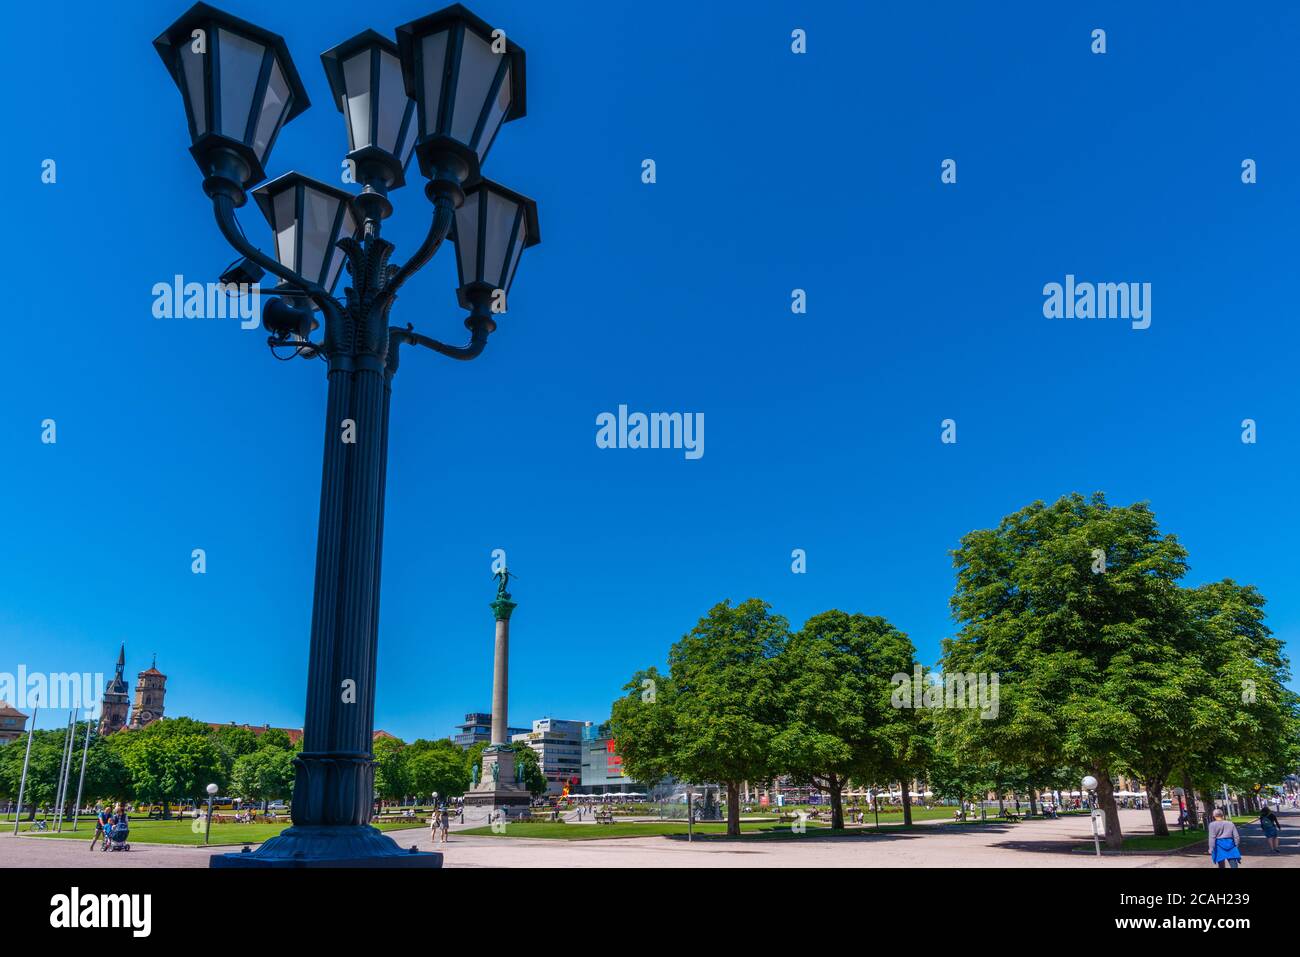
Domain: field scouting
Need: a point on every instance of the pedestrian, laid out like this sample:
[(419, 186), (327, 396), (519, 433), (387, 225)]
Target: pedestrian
[(434, 823), (1224, 841), (1270, 825), (444, 821), (101, 820)]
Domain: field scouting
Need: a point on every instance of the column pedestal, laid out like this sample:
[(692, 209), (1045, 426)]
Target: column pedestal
[(496, 796)]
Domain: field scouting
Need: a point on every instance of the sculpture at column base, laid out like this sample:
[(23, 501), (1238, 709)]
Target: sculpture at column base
[(497, 795), (329, 846)]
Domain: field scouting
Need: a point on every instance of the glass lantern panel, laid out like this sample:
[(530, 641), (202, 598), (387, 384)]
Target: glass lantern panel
[(496, 113), (286, 228), (318, 212), (274, 108), (433, 50), (500, 222), (467, 238), (241, 62), (349, 228), (392, 101), (516, 251), (478, 65), (408, 141), (356, 78), (195, 88)]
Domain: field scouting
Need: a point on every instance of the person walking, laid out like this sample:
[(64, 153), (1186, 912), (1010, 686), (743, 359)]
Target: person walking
[(101, 822), (1270, 825), (1225, 842), (435, 822), (444, 822)]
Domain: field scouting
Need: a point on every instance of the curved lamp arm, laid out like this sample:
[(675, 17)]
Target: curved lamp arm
[(444, 210), (479, 332), (224, 208)]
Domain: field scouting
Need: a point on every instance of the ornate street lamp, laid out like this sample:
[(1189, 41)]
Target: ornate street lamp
[(239, 86), (365, 75), (307, 218), (493, 226), (441, 93), (466, 80)]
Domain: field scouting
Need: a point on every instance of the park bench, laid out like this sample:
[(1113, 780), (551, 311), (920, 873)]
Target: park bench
[(604, 816)]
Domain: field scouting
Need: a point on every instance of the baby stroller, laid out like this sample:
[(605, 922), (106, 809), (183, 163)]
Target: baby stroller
[(117, 834)]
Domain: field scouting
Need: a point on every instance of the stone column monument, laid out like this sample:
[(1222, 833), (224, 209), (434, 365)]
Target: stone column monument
[(496, 795)]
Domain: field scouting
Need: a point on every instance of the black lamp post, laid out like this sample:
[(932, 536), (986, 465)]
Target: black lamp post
[(440, 93)]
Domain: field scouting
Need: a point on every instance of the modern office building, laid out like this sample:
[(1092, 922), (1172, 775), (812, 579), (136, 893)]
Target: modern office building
[(602, 768), (478, 727), (558, 746)]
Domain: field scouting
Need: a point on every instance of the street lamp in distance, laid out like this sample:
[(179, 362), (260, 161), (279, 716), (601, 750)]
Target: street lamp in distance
[(1090, 785), (207, 830)]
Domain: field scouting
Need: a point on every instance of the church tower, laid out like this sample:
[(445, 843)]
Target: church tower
[(150, 688), (113, 711)]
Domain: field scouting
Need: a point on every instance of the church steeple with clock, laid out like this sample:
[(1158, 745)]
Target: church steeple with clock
[(150, 689)]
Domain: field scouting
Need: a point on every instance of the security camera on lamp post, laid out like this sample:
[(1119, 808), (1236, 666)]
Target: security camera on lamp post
[(440, 91)]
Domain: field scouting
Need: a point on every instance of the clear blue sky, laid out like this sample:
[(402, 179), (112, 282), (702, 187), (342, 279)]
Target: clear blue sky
[(775, 172)]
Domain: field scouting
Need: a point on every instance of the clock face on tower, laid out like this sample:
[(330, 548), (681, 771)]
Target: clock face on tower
[(146, 716)]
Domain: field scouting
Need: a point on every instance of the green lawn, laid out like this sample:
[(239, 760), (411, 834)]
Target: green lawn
[(182, 832), (598, 832), (1177, 839)]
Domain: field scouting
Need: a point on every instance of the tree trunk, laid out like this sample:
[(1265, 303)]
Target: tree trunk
[(836, 786), (1033, 802), (733, 808), (1189, 798), (907, 803), (167, 810), (1155, 789), (1106, 800)]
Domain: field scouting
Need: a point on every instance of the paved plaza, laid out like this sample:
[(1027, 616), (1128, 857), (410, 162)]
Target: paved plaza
[(1028, 844)]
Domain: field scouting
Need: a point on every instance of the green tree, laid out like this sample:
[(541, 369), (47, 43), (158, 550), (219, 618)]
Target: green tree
[(642, 723), (391, 780), (835, 695), (274, 738), (43, 770), (720, 710), (1076, 648), (1247, 720), (170, 760), (233, 742), (263, 775), (437, 767)]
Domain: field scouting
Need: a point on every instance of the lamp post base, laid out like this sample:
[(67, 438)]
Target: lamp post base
[(329, 846)]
